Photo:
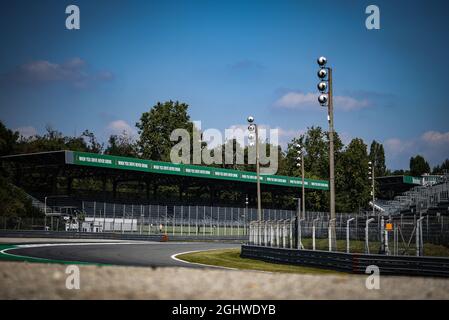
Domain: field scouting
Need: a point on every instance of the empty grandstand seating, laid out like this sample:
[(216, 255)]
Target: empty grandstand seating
[(430, 198)]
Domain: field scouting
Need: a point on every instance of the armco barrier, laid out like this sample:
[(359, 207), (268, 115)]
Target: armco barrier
[(76, 235), (353, 263), (112, 236)]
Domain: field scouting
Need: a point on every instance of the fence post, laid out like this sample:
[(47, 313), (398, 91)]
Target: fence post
[(132, 218), (189, 221), (113, 219), (367, 235), (299, 244), (347, 234), (197, 220), (232, 221), (210, 220), (174, 217), (291, 233), (150, 220), (204, 221), (141, 220), (329, 232), (182, 218), (123, 219), (417, 237), (313, 233)]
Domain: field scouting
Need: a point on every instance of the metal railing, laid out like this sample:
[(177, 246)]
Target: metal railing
[(395, 236)]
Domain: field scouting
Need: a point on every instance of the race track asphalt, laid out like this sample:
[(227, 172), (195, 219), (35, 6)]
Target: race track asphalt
[(144, 254)]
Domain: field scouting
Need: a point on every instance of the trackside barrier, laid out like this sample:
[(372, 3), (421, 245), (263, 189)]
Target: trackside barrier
[(115, 236), (352, 263)]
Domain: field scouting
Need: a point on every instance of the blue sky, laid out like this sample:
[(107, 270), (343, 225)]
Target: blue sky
[(227, 60)]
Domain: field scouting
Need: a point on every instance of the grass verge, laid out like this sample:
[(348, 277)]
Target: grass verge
[(230, 258)]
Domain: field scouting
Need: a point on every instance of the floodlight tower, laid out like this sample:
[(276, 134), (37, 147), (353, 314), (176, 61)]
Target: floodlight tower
[(253, 138), (300, 164), (326, 100), (371, 177)]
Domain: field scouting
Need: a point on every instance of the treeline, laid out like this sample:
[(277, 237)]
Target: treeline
[(153, 142)]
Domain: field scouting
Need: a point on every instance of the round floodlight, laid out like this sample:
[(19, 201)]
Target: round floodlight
[(322, 86), (251, 136), (297, 146), (252, 127), (251, 143), (298, 165), (322, 73), (250, 119), (370, 163), (322, 99), (322, 61), (298, 158)]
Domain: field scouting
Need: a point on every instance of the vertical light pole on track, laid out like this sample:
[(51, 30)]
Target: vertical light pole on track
[(326, 99), (253, 128)]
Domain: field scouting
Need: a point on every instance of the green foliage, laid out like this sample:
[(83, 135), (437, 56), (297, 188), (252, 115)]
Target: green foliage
[(13, 201), (121, 145), (418, 166), (442, 169), (352, 183), (54, 140), (377, 157), (156, 126), (8, 140)]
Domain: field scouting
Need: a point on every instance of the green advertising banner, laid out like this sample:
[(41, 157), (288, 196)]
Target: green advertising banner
[(123, 163), (411, 180)]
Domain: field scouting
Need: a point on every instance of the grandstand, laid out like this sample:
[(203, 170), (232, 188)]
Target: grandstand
[(430, 196), (69, 173)]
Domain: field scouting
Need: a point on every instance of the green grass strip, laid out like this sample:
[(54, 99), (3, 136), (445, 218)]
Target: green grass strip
[(230, 258)]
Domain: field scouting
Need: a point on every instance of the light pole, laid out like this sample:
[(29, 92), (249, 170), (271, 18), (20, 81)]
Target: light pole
[(245, 214), (325, 99), (253, 138), (371, 177), (300, 164)]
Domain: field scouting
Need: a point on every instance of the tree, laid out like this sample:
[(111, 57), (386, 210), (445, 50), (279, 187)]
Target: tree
[(377, 157), (92, 144), (54, 140), (315, 143), (8, 140), (156, 126), (442, 169), (419, 166), (121, 145), (352, 185)]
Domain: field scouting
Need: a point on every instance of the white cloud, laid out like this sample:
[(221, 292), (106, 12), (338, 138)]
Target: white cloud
[(119, 127), (27, 131), (309, 101), (74, 71), (346, 103), (432, 145), (297, 100), (435, 137)]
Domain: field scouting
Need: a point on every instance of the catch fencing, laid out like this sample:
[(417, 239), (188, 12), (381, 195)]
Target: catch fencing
[(399, 235)]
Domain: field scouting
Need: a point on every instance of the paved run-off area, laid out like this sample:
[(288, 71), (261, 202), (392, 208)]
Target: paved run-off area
[(155, 275), (22, 280)]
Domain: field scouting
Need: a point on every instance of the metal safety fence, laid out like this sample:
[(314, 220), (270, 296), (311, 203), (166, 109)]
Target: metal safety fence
[(400, 235)]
